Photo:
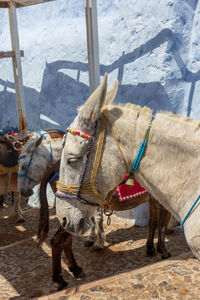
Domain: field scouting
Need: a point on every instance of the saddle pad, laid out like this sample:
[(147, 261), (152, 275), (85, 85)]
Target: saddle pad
[(126, 192), (4, 170)]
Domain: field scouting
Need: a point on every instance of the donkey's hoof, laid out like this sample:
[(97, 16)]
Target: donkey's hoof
[(16, 219), (169, 231), (60, 281), (20, 220), (166, 255), (97, 248), (61, 285), (89, 243), (151, 251), (76, 271)]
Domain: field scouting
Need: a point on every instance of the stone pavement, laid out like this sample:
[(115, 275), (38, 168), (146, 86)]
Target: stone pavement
[(121, 271)]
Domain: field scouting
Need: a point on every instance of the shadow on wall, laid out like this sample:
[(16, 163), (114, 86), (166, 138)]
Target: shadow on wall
[(61, 94)]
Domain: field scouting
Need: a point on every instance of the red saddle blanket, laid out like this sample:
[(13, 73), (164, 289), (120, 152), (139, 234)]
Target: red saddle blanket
[(125, 192)]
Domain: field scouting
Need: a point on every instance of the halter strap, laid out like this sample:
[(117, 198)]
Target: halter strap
[(89, 186), (31, 154), (26, 171), (78, 189)]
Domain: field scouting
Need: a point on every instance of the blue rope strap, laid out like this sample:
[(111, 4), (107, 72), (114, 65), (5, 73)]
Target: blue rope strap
[(54, 178), (139, 156), (189, 212), (140, 152), (44, 133), (26, 171)]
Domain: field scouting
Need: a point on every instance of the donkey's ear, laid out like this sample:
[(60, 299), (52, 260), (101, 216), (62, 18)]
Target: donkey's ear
[(111, 94), (38, 141), (90, 111)]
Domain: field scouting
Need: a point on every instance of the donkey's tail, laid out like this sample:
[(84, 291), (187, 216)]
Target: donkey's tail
[(43, 227)]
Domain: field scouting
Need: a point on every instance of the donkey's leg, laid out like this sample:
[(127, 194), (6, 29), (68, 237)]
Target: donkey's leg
[(150, 249), (91, 239), (1, 201), (72, 265), (100, 236), (17, 205), (57, 245), (17, 214), (163, 219), (169, 228)]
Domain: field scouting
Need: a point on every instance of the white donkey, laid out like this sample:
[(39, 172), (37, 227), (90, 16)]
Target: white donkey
[(100, 141), (39, 152)]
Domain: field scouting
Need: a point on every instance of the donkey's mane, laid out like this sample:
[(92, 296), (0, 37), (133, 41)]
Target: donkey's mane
[(167, 115), (28, 146)]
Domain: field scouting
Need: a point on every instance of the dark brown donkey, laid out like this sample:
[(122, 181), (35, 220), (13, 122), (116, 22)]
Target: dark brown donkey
[(10, 149), (62, 240)]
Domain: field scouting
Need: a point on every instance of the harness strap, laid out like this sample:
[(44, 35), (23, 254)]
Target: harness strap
[(97, 159), (104, 111), (25, 173), (47, 132), (54, 178), (130, 179)]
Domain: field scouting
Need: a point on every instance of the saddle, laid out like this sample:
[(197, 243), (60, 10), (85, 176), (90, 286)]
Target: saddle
[(18, 139)]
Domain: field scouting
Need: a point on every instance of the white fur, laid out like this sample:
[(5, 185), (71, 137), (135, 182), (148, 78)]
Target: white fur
[(169, 170), (40, 162)]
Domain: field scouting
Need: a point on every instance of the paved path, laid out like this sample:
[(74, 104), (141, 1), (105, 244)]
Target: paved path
[(121, 271)]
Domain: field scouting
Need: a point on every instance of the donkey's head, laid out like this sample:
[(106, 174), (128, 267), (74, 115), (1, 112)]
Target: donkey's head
[(32, 164), (76, 207)]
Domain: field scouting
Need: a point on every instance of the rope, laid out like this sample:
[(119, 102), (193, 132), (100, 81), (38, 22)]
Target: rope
[(53, 178), (104, 111), (97, 159), (189, 212), (141, 150)]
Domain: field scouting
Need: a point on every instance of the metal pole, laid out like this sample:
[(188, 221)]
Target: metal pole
[(17, 69), (92, 43)]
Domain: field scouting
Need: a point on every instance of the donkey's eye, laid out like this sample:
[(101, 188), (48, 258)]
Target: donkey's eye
[(73, 159), (84, 141)]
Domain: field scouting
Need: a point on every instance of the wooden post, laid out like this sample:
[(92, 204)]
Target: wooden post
[(17, 67), (92, 43)]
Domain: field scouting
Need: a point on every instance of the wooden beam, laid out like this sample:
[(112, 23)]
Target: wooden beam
[(17, 69), (92, 43), (21, 3), (5, 54)]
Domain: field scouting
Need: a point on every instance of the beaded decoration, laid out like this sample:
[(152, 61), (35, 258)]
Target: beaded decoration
[(25, 155), (83, 135), (77, 196)]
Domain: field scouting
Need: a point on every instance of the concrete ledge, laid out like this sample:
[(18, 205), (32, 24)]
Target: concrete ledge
[(86, 286)]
